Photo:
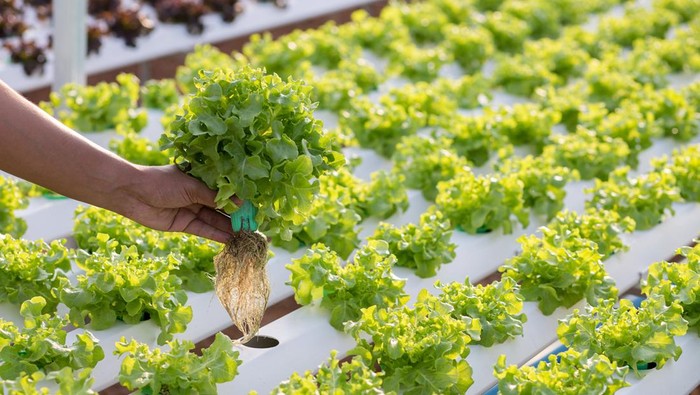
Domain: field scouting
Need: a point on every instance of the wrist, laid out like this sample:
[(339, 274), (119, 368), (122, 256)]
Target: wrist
[(125, 184)]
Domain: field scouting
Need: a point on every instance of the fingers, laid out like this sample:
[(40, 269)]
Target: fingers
[(213, 218), (199, 193), (189, 222)]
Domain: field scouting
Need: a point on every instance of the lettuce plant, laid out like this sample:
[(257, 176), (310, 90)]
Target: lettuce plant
[(567, 373), (524, 123), (99, 107), (678, 282), (685, 167), (424, 21), (139, 150), (179, 370), (591, 155), (194, 254), (330, 220), (570, 101), (11, 200), (353, 377), (68, 381), (541, 16), (346, 290), (417, 63), (645, 198), (473, 138), (204, 57), (471, 46), (378, 126), (602, 227), (522, 76), (159, 94), (425, 102), (372, 33), (32, 268), (638, 22), (126, 286), (468, 91), (420, 349), (253, 135), (686, 10), (425, 162), (383, 196), (543, 182), (559, 270), (477, 204), (496, 306), (509, 32), (625, 334), (628, 123), (423, 247), (41, 346), (607, 85)]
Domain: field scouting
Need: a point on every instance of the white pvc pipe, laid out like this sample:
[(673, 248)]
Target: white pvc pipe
[(69, 42)]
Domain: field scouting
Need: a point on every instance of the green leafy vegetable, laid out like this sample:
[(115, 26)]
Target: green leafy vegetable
[(685, 167), (541, 16), (474, 138), (11, 199), (194, 254), (472, 46), (645, 198), (524, 123), (599, 226), (425, 102), (352, 377), (567, 373), (253, 135), (159, 94), (204, 57), (330, 220), (139, 150), (497, 307), (178, 371), (482, 203), (627, 335), (591, 155), (425, 162), (469, 91), (383, 196), (41, 345), (69, 382), (509, 32), (417, 63), (559, 270), (32, 268), (100, 107), (378, 127), (423, 247), (420, 349), (128, 287), (345, 290), (678, 282), (638, 22), (543, 182), (424, 20)]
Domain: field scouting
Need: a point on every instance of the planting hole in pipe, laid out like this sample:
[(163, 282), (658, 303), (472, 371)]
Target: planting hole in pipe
[(262, 342)]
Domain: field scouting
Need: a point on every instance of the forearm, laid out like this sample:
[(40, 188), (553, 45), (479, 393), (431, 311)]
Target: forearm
[(37, 148)]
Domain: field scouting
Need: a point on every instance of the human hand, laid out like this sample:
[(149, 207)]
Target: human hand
[(165, 198)]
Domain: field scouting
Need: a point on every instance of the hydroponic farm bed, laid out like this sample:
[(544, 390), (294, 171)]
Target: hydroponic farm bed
[(166, 38), (459, 104)]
